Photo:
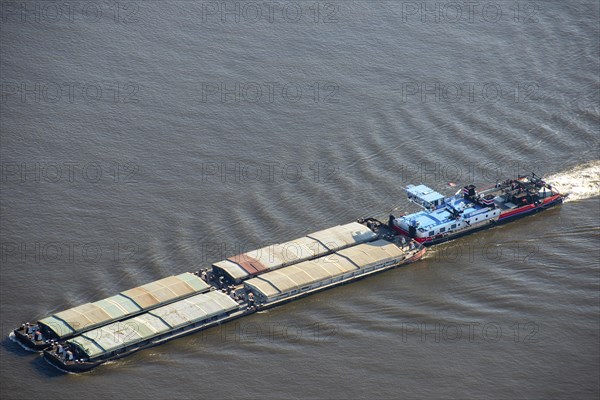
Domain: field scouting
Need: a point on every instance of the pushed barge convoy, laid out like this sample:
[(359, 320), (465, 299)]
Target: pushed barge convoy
[(86, 336), (470, 211)]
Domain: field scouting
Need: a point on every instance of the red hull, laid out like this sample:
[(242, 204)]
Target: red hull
[(526, 208)]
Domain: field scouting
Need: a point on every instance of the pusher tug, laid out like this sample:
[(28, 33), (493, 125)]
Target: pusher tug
[(470, 211)]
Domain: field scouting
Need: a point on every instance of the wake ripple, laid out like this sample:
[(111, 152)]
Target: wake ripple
[(581, 182)]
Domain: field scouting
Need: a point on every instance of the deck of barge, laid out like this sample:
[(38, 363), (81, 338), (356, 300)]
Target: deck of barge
[(345, 253)]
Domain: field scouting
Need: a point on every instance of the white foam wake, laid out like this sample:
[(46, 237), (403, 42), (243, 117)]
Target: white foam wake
[(581, 181), (12, 337)]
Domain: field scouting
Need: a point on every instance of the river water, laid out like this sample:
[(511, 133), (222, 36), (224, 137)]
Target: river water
[(141, 139)]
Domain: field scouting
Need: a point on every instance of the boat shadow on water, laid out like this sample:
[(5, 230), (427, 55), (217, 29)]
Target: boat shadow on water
[(11, 345), (37, 362), (44, 368)]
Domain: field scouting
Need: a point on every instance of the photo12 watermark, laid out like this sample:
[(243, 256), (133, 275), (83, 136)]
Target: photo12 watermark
[(269, 332), (471, 12), (268, 172), (469, 332), (68, 172), (474, 252), (67, 252), (272, 12), (469, 92), (12, 92), (455, 174), (271, 92), (70, 12), (289, 252)]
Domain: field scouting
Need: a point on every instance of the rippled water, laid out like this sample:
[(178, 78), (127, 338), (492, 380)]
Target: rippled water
[(213, 135)]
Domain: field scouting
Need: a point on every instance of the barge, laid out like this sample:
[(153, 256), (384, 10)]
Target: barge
[(84, 337), (469, 210), (74, 321)]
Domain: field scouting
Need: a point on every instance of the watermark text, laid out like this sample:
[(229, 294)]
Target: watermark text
[(55, 12), (68, 172), (67, 252), (68, 92)]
